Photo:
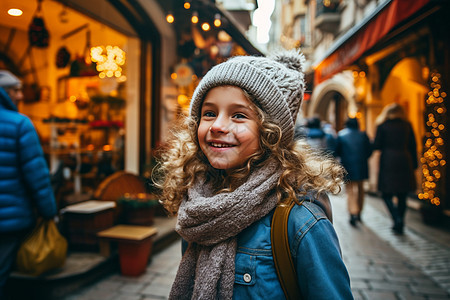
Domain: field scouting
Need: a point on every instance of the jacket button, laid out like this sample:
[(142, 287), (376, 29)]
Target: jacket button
[(247, 277)]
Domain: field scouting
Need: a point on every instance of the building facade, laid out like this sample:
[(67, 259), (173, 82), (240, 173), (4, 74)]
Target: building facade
[(365, 54)]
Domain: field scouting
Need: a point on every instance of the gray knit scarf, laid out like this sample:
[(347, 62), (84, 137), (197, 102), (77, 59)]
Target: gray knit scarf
[(210, 223)]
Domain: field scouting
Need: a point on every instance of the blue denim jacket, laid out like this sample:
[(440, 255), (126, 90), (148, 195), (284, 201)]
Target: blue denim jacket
[(315, 250)]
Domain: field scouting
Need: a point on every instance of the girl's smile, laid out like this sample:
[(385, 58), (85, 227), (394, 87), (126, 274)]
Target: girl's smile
[(228, 132)]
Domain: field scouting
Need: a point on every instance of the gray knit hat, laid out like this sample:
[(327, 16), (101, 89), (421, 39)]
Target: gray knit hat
[(8, 79), (277, 83)]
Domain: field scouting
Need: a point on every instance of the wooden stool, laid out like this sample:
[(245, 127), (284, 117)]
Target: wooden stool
[(83, 220), (135, 246)]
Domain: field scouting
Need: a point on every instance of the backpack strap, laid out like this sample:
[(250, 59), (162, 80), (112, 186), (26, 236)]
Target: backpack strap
[(282, 254)]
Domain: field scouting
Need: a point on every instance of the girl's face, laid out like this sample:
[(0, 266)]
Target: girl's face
[(228, 132)]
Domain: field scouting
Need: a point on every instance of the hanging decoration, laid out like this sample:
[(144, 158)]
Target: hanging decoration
[(62, 57), (38, 34), (433, 159)]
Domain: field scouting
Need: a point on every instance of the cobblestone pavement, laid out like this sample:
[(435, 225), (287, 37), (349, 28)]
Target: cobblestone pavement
[(382, 265), (154, 284)]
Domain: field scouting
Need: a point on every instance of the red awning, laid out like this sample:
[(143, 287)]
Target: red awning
[(363, 37)]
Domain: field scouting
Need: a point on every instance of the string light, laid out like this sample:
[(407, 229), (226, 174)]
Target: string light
[(170, 18), (217, 21), (433, 159), (187, 5), (206, 26), (109, 60), (194, 18)]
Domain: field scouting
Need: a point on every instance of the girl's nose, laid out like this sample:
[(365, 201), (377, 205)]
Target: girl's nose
[(220, 125)]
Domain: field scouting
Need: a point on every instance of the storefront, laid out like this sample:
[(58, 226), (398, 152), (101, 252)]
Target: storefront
[(103, 80), (90, 86), (398, 54)]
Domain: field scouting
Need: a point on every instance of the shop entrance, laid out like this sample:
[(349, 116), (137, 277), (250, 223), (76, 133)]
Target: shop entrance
[(75, 69)]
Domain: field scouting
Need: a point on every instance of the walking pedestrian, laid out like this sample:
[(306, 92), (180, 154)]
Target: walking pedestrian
[(319, 138), (331, 136), (229, 166), (24, 181), (395, 139), (354, 149)]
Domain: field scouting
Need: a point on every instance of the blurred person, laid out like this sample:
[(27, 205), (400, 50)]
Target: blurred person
[(24, 176), (317, 137), (354, 149), (330, 136), (395, 139)]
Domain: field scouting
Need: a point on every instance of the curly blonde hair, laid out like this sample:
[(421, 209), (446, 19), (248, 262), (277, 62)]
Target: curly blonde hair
[(305, 170)]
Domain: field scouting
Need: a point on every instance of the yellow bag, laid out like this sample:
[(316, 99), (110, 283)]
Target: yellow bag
[(44, 249)]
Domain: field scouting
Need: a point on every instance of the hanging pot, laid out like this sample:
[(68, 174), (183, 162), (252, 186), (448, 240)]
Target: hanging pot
[(82, 65), (38, 34), (79, 67)]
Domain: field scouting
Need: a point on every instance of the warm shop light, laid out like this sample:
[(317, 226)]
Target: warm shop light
[(206, 27), (183, 100), (170, 18), (109, 60), (217, 21), (194, 18), (15, 12), (187, 5)]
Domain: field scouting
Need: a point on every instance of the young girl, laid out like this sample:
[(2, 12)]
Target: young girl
[(228, 167)]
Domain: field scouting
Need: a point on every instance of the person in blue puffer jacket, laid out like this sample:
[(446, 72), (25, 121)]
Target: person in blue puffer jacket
[(24, 176)]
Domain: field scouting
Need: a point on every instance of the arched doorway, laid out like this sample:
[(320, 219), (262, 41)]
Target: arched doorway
[(334, 99)]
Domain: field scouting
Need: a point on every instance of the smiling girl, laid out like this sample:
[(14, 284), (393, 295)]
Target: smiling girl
[(227, 168)]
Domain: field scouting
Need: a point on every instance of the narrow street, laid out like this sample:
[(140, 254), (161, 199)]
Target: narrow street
[(382, 265)]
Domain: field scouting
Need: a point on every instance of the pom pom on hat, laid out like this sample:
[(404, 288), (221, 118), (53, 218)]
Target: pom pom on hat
[(277, 83), (8, 79), (290, 59)]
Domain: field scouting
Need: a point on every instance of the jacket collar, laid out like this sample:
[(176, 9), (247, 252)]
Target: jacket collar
[(5, 101)]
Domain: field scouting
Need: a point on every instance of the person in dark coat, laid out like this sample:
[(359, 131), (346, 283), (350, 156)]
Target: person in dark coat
[(354, 149), (395, 139), (24, 176)]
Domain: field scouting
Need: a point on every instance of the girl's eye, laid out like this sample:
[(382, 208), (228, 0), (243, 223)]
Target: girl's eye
[(209, 114), (240, 116)]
